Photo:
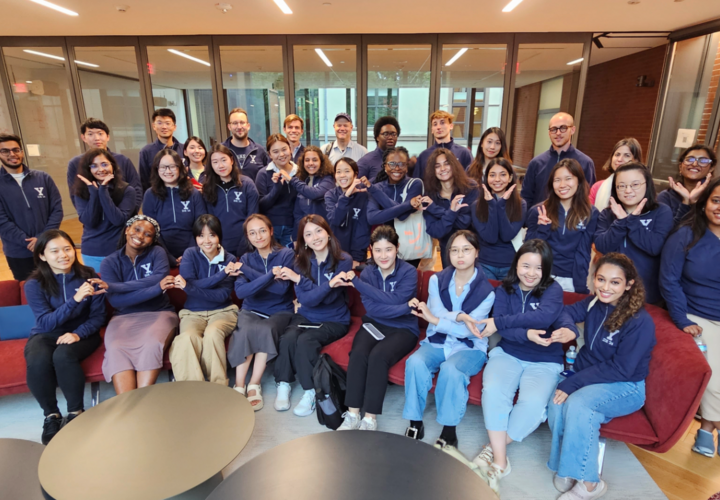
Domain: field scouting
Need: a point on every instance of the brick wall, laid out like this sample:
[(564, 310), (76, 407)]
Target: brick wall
[(613, 107), (712, 91), (527, 103)]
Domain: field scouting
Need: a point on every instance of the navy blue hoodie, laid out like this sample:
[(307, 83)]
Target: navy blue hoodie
[(277, 199), (462, 153), (441, 222), (175, 216), (640, 237), (571, 247), (673, 200), (27, 211), (386, 202), (319, 302), (135, 286), (534, 188), (496, 235), (516, 313), (386, 299), (690, 280), (348, 220), (103, 221), (232, 207), (129, 175), (607, 357), (371, 164), (251, 159), (208, 287), (60, 314), (310, 199), (147, 155), (257, 286)]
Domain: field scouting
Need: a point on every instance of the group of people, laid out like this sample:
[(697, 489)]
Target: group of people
[(288, 228)]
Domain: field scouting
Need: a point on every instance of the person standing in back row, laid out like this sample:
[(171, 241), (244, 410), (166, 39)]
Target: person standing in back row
[(387, 132), (294, 126), (441, 125), (164, 125), (343, 146), (30, 204), (561, 130), (251, 157)]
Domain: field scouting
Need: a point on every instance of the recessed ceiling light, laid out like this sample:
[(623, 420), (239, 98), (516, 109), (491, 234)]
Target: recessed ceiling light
[(28, 81), (43, 54), (182, 54), (576, 61), (283, 6), (514, 3), (457, 56), (224, 7), (87, 64), (323, 57), (52, 6)]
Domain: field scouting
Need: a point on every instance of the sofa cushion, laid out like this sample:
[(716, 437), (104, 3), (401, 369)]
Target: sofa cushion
[(12, 361), (9, 293), (16, 321)]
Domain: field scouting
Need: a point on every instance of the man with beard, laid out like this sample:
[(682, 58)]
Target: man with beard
[(251, 156), (387, 132)]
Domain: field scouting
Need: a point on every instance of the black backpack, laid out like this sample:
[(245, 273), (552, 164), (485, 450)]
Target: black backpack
[(330, 384)]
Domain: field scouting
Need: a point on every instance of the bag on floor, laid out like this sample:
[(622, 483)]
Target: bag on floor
[(330, 385)]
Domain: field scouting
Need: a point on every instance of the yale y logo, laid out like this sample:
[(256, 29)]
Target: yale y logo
[(186, 206), (534, 305), (645, 222), (238, 194), (221, 267), (609, 338), (40, 192), (392, 285), (252, 158), (146, 268), (329, 276), (357, 213)]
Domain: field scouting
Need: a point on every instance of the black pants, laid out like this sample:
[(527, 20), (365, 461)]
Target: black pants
[(50, 365), (370, 361), (300, 349), (21, 267)]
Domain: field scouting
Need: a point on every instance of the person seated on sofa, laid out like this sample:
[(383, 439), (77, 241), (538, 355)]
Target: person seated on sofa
[(68, 316), (459, 296), (609, 375), (207, 275), (527, 305), (267, 307), (385, 286), (690, 284), (319, 268), (144, 322)]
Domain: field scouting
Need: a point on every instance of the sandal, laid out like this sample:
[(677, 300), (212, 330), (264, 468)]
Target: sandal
[(241, 390), (257, 397)]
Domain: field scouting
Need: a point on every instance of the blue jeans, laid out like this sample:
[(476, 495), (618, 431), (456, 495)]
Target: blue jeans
[(283, 235), (495, 273), (451, 394), (93, 262), (503, 376), (575, 425)]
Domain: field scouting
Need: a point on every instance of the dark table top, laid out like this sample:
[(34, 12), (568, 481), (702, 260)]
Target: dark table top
[(150, 443), (353, 465), (19, 469)]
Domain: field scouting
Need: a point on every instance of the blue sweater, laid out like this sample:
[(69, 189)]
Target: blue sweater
[(175, 216), (232, 208), (386, 202), (27, 211), (277, 200), (103, 221), (207, 287), (674, 201), (129, 175), (607, 357), (462, 153), (516, 313), (639, 237), (371, 164), (534, 188), (571, 247), (496, 235), (386, 299), (135, 286), (257, 286), (319, 302), (147, 155), (441, 222), (251, 159), (310, 200), (348, 220), (60, 314), (690, 280)]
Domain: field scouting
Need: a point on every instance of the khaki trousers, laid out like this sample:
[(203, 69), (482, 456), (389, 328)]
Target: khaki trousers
[(710, 402)]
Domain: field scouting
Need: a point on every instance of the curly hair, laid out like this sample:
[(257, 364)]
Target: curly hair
[(461, 182), (326, 168), (633, 299), (382, 175)]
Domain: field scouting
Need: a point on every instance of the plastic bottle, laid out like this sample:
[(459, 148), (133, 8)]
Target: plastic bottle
[(701, 344), (570, 356)]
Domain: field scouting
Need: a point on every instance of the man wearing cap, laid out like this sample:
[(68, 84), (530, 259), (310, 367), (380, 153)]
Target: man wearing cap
[(343, 146)]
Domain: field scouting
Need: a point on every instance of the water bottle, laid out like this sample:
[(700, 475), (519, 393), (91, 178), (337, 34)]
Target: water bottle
[(701, 344), (570, 356)]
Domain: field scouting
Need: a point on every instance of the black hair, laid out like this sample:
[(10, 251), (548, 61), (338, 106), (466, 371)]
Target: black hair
[(650, 194), (353, 164), (139, 218), (116, 186), (157, 185), (212, 223), (94, 123), (199, 141), (43, 274), (385, 120), (541, 248), (212, 179), (696, 220), (385, 233), (165, 113), (382, 175), (696, 147), (470, 236), (11, 138)]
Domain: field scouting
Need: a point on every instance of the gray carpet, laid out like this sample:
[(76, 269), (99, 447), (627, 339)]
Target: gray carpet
[(21, 417)]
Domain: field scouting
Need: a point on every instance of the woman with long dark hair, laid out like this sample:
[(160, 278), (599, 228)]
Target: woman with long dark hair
[(567, 221), (492, 146), (104, 202), (314, 178), (497, 217), (68, 316), (194, 158), (625, 151), (318, 273)]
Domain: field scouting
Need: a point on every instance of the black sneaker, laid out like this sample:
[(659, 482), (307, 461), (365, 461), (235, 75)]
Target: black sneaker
[(51, 426), (70, 417), (415, 432)]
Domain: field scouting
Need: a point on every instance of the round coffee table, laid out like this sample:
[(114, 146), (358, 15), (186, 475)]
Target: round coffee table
[(18, 469), (353, 465), (151, 443)]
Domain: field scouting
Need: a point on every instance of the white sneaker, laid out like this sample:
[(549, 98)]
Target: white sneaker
[(351, 422), (306, 405), (282, 400), (368, 424), (485, 458), (580, 492), (563, 484), (494, 474)]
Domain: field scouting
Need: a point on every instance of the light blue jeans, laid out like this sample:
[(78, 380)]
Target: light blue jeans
[(283, 235), (503, 376), (575, 425), (451, 394), (93, 262), (495, 273)]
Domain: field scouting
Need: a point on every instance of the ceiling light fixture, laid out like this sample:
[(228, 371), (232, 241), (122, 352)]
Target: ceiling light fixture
[(576, 61), (323, 57), (456, 56), (283, 6), (43, 54), (86, 64), (182, 54), (509, 7), (49, 5)]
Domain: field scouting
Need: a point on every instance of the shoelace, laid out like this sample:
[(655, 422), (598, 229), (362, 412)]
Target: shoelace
[(486, 454)]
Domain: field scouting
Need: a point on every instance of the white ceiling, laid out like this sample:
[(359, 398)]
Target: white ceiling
[(188, 17)]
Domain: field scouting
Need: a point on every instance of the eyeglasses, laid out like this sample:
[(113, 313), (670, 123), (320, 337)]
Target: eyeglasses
[(690, 160), (104, 164), (238, 124), (465, 251), (167, 168), (5, 151), (389, 134), (635, 186), (554, 130), (396, 165)]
